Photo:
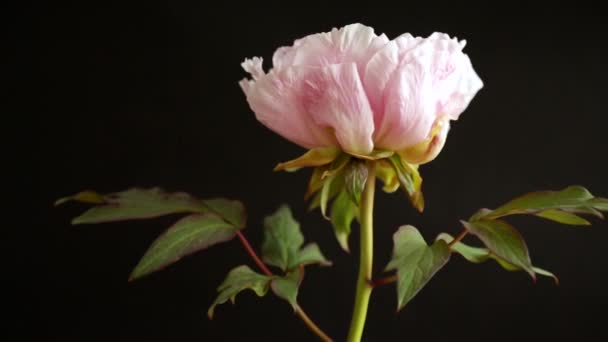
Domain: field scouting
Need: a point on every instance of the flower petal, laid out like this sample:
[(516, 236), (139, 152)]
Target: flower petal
[(275, 100), (434, 78), (354, 43), (428, 149), (410, 108), (335, 98)]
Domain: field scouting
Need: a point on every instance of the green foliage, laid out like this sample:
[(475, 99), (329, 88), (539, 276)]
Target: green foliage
[(239, 279), (355, 177), (210, 221), (283, 241), (502, 240), (132, 204), (415, 262), (343, 212), (287, 287), (478, 255), (505, 244), (410, 180), (560, 206), (188, 235)]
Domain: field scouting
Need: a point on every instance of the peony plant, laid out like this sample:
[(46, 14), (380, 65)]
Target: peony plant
[(366, 108)]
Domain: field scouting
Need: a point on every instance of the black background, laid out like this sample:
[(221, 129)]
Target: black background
[(146, 94)]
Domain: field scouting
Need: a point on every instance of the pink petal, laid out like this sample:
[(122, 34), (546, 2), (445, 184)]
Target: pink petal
[(378, 72), (434, 78), (335, 98), (354, 43), (275, 100), (410, 108)]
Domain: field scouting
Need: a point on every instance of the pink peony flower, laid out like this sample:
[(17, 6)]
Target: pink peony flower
[(352, 89)]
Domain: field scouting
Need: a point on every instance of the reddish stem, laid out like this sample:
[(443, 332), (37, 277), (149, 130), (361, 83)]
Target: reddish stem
[(299, 311), (382, 281), (253, 254), (458, 238)]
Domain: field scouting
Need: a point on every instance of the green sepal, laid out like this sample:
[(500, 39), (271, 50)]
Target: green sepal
[(386, 173), (239, 279), (416, 262), (283, 241), (410, 180), (312, 158), (478, 255), (376, 154), (355, 177), (343, 212)]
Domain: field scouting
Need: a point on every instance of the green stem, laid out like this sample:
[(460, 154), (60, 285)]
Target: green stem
[(364, 289)]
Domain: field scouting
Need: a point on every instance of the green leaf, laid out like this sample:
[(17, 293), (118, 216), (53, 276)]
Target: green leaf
[(410, 181), (569, 198), (314, 157), (478, 255), (504, 241), (599, 203), (134, 204), (311, 254), (283, 241), (86, 196), (473, 254), (563, 217), (416, 262), (230, 210), (287, 287), (239, 279), (343, 211), (355, 177), (188, 235)]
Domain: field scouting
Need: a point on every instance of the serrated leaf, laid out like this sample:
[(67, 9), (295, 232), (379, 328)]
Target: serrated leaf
[(410, 180), (311, 254), (239, 279), (504, 241), (355, 177), (287, 287), (570, 197), (190, 234), (563, 217), (416, 262), (312, 158), (478, 255), (283, 240), (343, 212), (137, 203)]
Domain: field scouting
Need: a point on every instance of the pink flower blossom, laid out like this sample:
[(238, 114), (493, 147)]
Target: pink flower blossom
[(353, 89)]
